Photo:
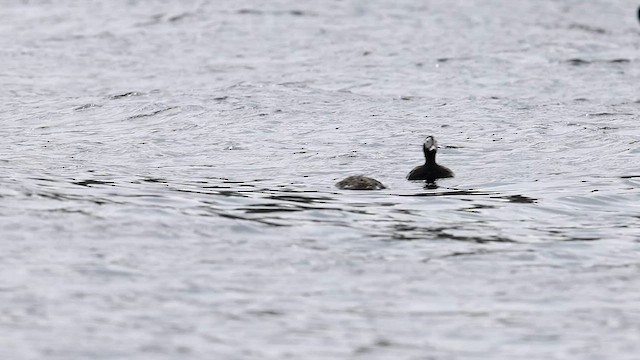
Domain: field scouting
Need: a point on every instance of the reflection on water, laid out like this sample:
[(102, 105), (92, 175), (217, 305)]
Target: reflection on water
[(516, 199), (450, 192), (391, 216), (405, 232), (89, 183), (493, 195)]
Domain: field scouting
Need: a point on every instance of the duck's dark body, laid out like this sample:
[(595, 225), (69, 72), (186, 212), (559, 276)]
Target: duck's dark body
[(360, 183), (430, 171)]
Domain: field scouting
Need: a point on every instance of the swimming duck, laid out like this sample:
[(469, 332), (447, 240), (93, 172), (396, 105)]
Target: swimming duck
[(360, 182), (430, 171)]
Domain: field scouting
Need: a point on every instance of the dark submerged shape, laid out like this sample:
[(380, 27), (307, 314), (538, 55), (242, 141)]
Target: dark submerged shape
[(430, 171), (360, 183)]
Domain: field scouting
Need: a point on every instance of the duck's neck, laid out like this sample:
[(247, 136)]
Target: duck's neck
[(430, 157)]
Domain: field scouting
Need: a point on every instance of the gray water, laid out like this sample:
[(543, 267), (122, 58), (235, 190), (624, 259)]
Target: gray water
[(168, 168)]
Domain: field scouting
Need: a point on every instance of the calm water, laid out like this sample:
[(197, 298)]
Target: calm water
[(167, 173)]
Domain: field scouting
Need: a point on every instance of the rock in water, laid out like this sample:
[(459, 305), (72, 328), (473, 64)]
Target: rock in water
[(360, 183)]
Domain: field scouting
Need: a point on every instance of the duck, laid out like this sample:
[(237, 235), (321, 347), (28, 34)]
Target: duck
[(430, 171), (359, 182)]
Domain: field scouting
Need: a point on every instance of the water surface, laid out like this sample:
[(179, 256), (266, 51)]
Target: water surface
[(168, 174)]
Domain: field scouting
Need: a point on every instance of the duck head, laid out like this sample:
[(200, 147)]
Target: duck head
[(430, 143), (430, 146)]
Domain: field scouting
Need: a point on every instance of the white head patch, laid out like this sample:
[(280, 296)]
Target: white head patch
[(430, 143)]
